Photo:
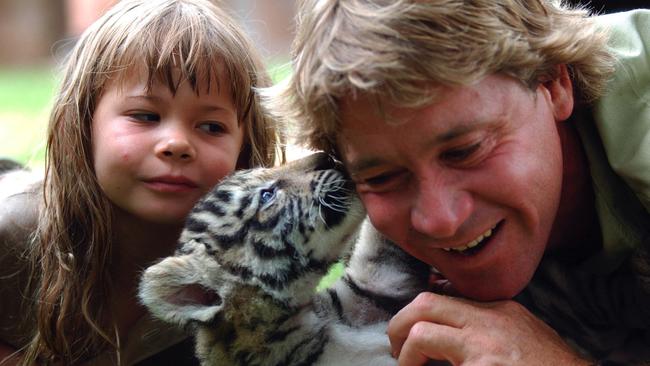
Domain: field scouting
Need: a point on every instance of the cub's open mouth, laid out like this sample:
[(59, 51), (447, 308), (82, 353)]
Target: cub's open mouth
[(195, 294)]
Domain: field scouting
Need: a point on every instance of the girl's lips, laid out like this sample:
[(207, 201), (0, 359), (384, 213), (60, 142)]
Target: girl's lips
[(171, 184)]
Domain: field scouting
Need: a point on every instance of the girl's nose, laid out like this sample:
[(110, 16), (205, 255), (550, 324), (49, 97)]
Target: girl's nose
[(176, 147)]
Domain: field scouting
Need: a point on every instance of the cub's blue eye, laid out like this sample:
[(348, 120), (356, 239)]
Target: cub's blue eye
[(267, 195)]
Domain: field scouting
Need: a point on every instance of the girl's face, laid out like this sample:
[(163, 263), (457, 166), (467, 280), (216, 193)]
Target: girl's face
[(156, 153)]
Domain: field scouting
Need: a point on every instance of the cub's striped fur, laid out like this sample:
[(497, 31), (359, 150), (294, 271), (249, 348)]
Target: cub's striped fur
[(250, 256)]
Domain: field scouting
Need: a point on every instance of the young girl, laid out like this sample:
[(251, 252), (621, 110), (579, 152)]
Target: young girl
[(156, 105)]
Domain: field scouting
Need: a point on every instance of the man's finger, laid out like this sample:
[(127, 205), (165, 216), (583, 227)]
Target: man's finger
[(430, 341), (426, 307)]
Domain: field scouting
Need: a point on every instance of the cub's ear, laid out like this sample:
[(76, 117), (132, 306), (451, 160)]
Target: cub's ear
[(184, 288)]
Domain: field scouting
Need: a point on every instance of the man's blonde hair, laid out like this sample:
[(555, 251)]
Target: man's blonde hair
[(73, 244), (395, 50)]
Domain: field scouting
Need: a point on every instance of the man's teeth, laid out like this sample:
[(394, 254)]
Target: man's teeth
[(472, 243)]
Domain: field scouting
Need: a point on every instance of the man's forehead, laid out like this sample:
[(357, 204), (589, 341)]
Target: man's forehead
[(457, 112), (381, 106)]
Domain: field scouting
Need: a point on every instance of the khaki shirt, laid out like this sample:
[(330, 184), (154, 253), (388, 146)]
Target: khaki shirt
[(603, 303), (617, 143)]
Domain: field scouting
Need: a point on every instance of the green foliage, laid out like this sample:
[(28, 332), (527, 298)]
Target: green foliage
[(279, 71), (26, 91), (335, 272), (25, 100), (25, 103)]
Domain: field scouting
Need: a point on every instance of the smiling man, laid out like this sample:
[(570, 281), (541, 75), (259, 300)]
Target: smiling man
[(505, 144)]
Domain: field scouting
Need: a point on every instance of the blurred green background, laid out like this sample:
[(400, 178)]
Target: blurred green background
[(25, 101), (35, 36)]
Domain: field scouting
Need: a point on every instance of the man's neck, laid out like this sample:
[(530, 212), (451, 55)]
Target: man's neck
[(575, 232)]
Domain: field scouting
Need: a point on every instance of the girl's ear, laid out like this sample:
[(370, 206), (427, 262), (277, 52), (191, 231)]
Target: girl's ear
[(560, 89)]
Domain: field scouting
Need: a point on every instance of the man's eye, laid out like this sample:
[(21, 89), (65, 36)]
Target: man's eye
[(145, 117), (460, 155), (378, 179), (382, 182), (212, 128)]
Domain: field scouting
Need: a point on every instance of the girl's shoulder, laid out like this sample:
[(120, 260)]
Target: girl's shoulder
[(20, 197)]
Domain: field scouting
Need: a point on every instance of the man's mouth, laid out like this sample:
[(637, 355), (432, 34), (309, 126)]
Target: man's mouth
[(476, 244)]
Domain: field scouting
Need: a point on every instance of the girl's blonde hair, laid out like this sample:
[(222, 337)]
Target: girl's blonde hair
[(396, 50), (72, 250)]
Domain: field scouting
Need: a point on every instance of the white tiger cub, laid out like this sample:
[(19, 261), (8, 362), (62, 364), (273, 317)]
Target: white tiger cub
[(250, 256)]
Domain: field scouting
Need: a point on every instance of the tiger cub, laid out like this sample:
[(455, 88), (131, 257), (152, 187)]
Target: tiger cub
[(252, 252)]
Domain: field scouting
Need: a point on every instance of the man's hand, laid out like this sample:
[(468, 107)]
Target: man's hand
[(464, 332)]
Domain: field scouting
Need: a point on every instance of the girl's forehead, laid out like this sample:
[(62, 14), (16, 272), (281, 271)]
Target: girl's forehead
[(145, 77)]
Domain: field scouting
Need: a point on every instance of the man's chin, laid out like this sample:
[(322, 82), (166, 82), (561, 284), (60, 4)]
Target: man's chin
[(482, 293)]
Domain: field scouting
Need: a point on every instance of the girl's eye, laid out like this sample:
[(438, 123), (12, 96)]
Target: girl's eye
[(212, 128), (146, 117), (266, 195), (460, 155)]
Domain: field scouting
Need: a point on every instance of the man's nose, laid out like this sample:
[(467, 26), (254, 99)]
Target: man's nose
[(175, 144), (439, 210)]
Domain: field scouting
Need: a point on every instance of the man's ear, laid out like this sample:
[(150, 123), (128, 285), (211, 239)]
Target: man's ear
[(560, 90)]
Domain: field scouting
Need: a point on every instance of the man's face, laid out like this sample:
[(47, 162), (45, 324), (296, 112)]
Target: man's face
[(469, 184)]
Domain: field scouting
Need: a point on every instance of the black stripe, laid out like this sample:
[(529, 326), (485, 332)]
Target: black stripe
[(194, 225), (243, 357), (228, 241), (282, 277), (289, 247), (212, 207), (336, 302), (277, 283), (281, 335), (270, 223), (314, 351), (223, 196), (238, 270), (266, 252), (390, 304), (243, 205)]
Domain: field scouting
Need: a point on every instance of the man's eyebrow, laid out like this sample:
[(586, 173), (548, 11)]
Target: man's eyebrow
[(455, 133), (358, 166), (368, 163)]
